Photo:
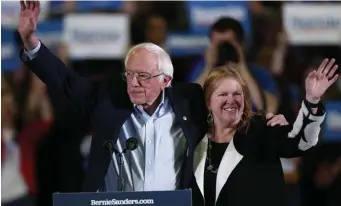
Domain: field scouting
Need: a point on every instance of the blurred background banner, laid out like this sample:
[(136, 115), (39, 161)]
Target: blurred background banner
[(50, 32), (332, 128), (10, 11), (312, 23), (186, 44), (97, 36), (9, 51), (203, 13), (84, 6)]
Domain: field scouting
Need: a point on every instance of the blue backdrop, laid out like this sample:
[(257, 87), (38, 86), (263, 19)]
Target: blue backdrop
[(332, 126), (9, 51), (50, 33), (90, 5)]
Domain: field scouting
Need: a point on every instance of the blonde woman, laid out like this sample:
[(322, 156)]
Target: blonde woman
[(238, 162)]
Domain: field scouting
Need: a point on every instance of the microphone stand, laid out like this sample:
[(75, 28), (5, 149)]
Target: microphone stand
[(111, 149), (120, 180), (131, 144)]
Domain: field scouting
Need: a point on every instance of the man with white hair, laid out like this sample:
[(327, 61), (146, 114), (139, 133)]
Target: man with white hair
[(167, 120)]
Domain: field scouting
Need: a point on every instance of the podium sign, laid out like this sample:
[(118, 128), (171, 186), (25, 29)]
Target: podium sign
[(155, 198)]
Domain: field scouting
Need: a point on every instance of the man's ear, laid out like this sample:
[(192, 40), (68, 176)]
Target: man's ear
[(166, 80)]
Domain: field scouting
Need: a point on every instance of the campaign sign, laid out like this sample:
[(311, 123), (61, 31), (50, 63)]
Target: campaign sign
[(157, 198), (202, 14), (312, 23), (331, 129), (97, 36), (9, 51), (50, 33), (181, 44)]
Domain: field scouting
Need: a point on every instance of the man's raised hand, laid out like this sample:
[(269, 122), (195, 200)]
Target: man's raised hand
[(28, 20)]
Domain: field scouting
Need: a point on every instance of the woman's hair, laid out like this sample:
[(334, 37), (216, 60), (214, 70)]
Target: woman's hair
[(215, 77)]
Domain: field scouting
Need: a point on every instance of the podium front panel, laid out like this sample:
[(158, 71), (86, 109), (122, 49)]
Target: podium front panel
[(152, 198)]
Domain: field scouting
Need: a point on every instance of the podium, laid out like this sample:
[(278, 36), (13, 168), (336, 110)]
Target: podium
[(155, 198)]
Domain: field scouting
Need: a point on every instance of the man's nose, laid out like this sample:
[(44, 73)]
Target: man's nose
[(134, 81)]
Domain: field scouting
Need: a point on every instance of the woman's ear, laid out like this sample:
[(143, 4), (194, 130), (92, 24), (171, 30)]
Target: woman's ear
[(208, 105)]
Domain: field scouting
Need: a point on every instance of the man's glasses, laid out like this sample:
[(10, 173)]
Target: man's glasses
[(141, 77)]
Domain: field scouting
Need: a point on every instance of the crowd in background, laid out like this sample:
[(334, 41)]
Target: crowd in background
[(44, 146)]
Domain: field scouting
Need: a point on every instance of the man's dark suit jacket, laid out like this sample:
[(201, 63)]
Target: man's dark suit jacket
[(108, 107)]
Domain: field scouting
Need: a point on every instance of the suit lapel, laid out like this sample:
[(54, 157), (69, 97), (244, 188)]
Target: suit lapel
[(230, 160), (180, 106), (200, 155)]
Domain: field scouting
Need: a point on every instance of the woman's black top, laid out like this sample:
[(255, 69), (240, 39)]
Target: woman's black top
[(214, 157)]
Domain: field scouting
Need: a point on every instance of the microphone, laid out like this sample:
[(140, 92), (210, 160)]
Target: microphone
[(109, 145), (131, 144)]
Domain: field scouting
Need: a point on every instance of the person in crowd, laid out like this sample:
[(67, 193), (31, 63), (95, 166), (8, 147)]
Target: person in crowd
[(156, 30), (38, 104), (238, 161), (259, 81), (59, 162), (151, 27), (321, 176), (21, 143), (15, 190)]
